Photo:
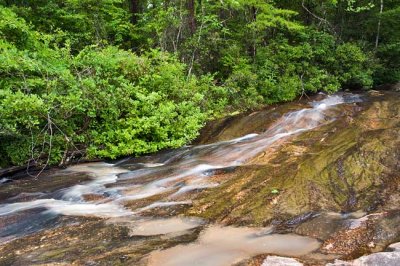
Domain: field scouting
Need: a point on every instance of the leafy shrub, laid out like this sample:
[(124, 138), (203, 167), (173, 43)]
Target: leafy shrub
[(285, 69), (104, 102)]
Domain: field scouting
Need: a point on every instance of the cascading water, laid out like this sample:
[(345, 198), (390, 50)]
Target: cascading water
[(165, 181)]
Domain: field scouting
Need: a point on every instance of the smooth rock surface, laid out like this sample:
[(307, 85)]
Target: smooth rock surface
[(280, 261), (389, 258)]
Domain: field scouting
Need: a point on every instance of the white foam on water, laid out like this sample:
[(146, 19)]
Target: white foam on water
[(72, 202), (151, 165), (4, 180), (165, 185), (235, 140), (66, 208), (328, 101), (246, 137), (103, 210), (102, 174)]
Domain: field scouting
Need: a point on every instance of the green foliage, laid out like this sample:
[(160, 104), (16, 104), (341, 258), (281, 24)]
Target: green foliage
[(389, 49), (285, 69), (275, 191), (352, 66), (351, 6), (82, 78), (80, 22), (388, 71), (106, 100), (14, 30)]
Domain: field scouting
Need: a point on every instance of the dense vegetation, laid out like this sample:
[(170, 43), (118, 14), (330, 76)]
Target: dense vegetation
[(107, 78)]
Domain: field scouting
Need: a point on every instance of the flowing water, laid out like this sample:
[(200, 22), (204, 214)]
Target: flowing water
[(146, 195)]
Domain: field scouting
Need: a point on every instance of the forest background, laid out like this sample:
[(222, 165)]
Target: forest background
[(110, 78)]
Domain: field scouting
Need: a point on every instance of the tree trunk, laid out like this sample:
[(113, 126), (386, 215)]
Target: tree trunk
[(191, 16), (254, 18), (134, 8), (379, 26)]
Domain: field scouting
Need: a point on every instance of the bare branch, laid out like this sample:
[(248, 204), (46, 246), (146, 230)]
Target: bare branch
[(322, 20)]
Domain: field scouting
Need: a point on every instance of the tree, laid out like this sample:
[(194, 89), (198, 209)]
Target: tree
[(191, 16), (379, 25), (135, 10)]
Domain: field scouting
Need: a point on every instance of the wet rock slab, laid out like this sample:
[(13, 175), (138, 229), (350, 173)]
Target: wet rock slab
[(389, 258), (347, 165), (87, 241), (318, 184), (27, 188)]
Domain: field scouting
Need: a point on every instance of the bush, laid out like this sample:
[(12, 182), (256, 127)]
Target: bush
[(285, 69), (102, 102)]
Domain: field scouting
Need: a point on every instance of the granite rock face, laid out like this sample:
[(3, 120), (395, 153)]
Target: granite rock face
[(389, 258)]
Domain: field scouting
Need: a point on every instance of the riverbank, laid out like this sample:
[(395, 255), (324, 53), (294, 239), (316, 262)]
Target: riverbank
[(322, 174)]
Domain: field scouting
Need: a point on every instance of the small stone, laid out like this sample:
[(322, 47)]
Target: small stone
[(280, 261), (329, 246)]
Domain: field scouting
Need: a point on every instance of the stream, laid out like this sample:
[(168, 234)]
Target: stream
[(203, 204)]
